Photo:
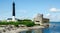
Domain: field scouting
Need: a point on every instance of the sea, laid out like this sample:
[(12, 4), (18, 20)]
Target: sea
[(54, 27)]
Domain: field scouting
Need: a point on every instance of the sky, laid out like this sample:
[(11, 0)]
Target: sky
[(30, 8)]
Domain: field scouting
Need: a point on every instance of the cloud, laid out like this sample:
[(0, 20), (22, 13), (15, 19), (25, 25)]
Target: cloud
[(54, 10), (48, 15), (53, 17)]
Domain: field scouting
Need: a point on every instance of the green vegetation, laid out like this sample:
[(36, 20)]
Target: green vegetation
[(29, 23), (26, 22)]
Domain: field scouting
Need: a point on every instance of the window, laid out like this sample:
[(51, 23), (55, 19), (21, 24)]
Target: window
[(37, 21)]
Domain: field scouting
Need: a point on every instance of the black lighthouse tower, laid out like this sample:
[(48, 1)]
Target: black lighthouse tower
[(13, 14)]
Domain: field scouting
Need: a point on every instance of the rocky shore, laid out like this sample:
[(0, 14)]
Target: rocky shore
[(18, 29)]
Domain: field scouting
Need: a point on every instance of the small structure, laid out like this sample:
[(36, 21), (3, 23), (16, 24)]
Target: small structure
[(10, 19), (39, 20)]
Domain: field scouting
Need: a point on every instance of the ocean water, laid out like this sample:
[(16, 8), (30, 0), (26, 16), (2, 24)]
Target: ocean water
[(53, 28)]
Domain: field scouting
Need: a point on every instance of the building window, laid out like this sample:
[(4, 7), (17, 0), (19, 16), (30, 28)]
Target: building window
[(37, 21), (45, 22)]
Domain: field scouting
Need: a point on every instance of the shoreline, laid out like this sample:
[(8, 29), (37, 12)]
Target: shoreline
[(20, 29)]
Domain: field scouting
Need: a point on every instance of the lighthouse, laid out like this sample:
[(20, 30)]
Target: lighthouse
[(13, 12)]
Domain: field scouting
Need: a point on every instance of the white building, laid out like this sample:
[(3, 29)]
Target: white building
[(10, 19), (40, 20)]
